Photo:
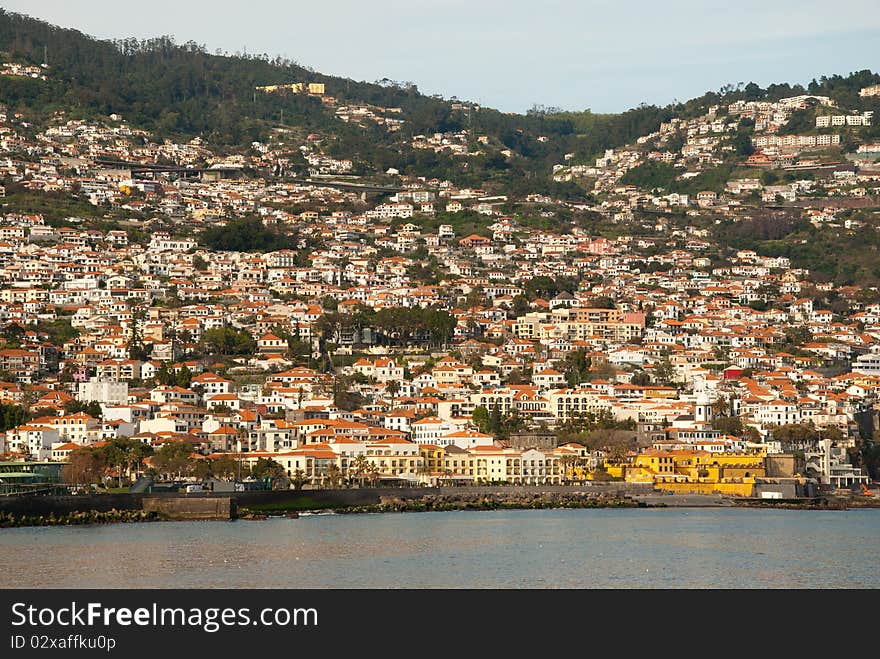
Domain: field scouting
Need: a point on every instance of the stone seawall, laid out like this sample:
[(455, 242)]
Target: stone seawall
[(368, 496), (65, 505), (185, 506)]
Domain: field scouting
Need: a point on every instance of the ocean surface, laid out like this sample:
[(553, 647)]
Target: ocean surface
[(605, 548)]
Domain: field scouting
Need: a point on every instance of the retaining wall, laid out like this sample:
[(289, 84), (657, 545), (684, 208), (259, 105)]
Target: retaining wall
[(59, 505), (185, 508)]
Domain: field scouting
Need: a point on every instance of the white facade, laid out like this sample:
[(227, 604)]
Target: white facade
[(103, 391), (36, 441), (867, 364), (430, 430)]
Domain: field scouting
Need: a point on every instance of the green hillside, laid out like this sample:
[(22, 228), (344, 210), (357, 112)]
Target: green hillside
[(181, 91), (178, 90)]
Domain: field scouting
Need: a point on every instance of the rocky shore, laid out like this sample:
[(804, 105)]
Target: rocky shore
[(9, 520), (436, 502), (454, 502), (819, 503)]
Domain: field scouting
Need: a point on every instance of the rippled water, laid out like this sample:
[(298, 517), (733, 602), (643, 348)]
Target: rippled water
[(607, 548)]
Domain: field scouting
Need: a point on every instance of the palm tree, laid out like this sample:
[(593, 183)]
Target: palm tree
[(447, 473), (393, 388), (333, 475), (424, 470), (372, 473), (298, 479), (359, 467), (567, 461)]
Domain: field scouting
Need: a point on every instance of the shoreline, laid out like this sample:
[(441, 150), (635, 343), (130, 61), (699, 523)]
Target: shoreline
[(80, 518), (441, 502), (454, 503)]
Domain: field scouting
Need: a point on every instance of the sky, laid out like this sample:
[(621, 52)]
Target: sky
[(602, 55)]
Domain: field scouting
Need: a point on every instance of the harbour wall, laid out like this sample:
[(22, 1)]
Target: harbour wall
[(204, 505), (184, 508)]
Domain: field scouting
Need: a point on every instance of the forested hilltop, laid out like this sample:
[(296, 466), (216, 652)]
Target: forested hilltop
[(182, 90)]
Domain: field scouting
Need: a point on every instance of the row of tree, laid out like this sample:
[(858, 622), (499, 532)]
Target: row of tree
[(123, 457), (120, 458), (394, 325)]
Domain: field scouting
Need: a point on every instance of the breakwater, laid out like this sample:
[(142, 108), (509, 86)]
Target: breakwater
[(450, 502), (105, 508), (338, 499), (8, 520), (206, 505)]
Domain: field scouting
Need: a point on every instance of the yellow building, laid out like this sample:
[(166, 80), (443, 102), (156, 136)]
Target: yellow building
[(393, 458), (656, 391), (432, 463), (457, 463), (694, 471), (491, 464), (316, 88)]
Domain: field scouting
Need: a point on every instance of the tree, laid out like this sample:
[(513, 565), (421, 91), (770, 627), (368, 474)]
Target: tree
[(603, 370), (298, 479), (358, 468), (225, 468), (742, 143), (797, 336), (800, 120), (247, 234), (92, 408), (568, 463), (184, 377), (58, 331), (495, 420), (271, 471), (333, 476), (576, 367), (228, 341), (728, 425), (480, 417), (11, 416), (85, 467), (125, 455), (602, 302), (796, 436), (373, 473), (343, 398), (664, 371), (393, 388), (66, 375), (164, 376), (474, 298), (641, 379), (870, 458), (202, 469), (519, 306), (13, 333), (650, 175), (173, 459)]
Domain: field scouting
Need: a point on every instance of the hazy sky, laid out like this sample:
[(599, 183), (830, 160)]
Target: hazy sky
[(606, 55)]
